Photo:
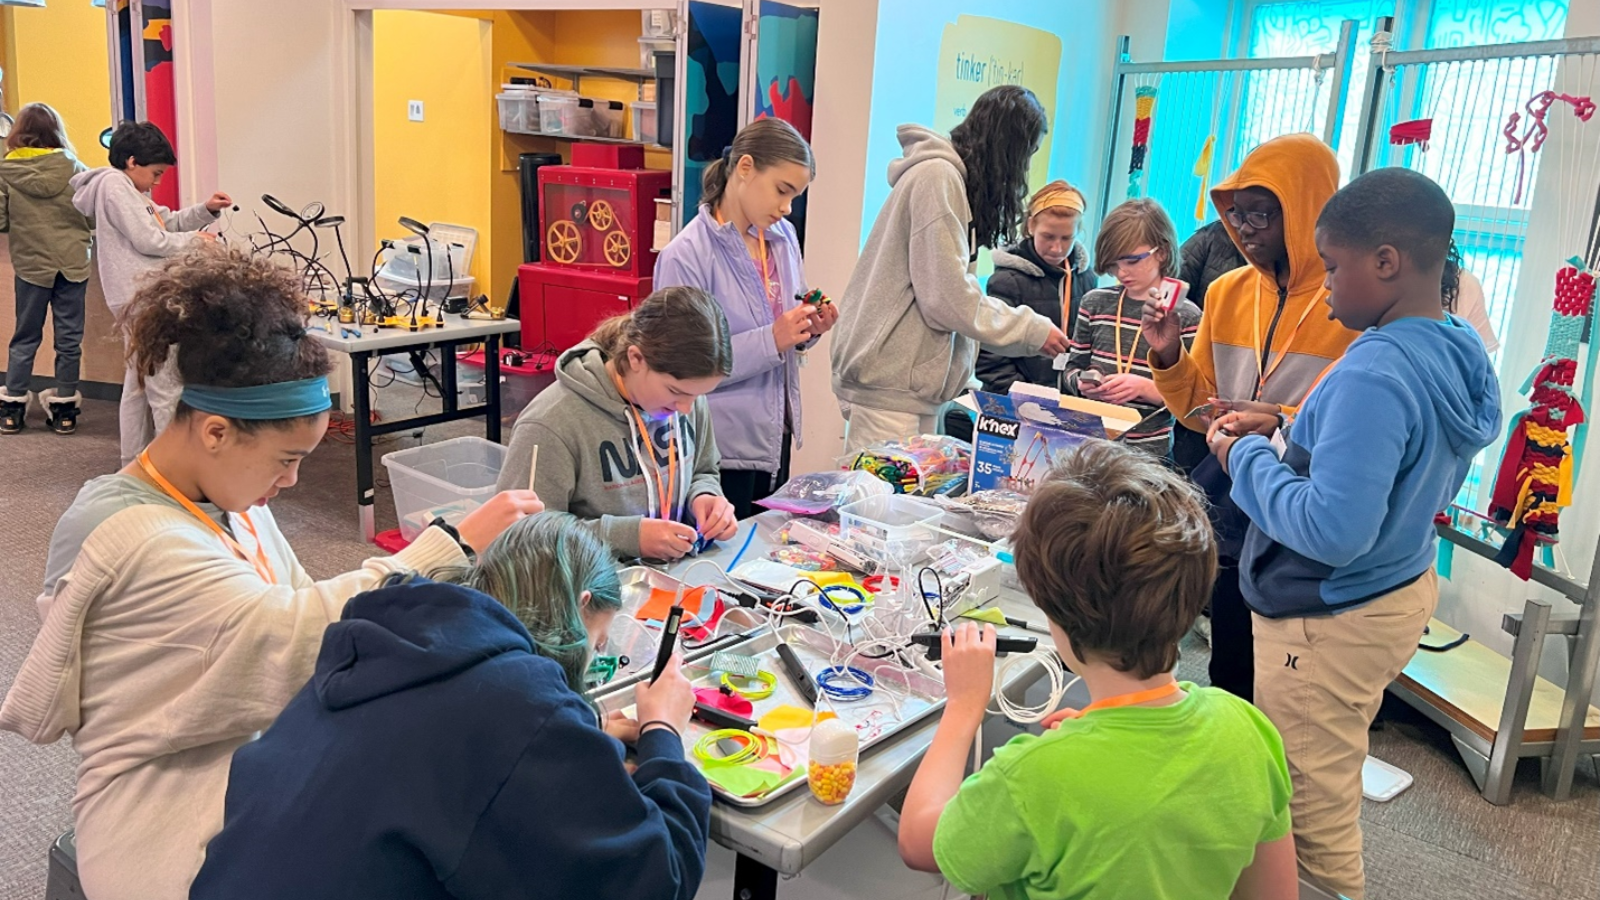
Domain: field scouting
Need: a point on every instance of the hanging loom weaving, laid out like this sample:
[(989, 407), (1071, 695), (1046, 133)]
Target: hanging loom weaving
[(1534, 481), (1144, 107)]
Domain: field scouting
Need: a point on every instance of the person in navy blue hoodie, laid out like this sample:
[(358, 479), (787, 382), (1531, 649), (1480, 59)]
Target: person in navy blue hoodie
[(443, 749), (1338, 564)]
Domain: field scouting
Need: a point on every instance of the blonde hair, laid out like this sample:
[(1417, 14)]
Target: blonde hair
[(1057, 198), (1132, 224)]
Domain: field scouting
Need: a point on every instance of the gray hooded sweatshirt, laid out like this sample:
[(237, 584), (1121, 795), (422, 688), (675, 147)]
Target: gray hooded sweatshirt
[(912, 317), (589, 450), (133, 234)]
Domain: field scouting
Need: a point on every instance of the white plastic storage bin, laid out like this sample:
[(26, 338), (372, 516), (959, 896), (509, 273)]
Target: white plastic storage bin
[(556, 111), (449, 479), (893, 528), (519, 112), (644, 123), (593, 117)]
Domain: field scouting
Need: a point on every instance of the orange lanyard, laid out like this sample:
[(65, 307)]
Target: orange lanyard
[(1134, 347), (665, 505), (767, 287), (1133, 699), (262, 566), (1256, 337)]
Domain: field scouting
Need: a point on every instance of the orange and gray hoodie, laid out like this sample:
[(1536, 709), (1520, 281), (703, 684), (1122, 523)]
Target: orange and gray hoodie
[(1251, 325)]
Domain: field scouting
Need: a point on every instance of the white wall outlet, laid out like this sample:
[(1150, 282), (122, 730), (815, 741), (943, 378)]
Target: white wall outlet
[(414, 110)]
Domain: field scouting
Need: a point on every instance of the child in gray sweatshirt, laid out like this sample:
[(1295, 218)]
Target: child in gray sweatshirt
[(133, 235), (624, 437)]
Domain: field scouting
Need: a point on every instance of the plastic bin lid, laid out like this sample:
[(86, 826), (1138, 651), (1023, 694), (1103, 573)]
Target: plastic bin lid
[(466, 237)]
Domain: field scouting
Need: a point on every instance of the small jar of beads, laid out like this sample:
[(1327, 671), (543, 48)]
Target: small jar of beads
[(835, 750)]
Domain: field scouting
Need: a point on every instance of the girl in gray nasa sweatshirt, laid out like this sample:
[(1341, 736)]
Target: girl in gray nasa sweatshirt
[(624, 437)]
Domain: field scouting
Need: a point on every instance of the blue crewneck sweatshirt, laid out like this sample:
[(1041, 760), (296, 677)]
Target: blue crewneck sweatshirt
[(1379, 448), (434, 755)]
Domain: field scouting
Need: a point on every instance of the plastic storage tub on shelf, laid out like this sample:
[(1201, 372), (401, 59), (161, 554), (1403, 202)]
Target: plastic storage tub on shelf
[(449, 479), (519, 111), (893, 528), (556, 111), (593, 117)]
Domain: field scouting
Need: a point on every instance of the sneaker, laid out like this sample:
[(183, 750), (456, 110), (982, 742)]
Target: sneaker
[(13, 413), (1202, 627), (61, 413)]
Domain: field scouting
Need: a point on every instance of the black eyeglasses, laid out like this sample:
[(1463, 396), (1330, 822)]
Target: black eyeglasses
[(1256, 218)]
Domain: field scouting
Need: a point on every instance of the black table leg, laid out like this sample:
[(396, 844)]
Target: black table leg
[(447, 370), (362, 404), (491, 387), (753, 880)]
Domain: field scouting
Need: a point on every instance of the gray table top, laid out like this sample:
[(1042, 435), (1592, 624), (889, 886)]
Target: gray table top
[(331, 334), (791, 832)]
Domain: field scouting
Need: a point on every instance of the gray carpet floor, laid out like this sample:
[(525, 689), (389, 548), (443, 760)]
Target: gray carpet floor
[(1437, 841)]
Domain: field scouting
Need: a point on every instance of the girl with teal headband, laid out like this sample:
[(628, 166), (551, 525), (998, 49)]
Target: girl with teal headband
[(477, 680), (177, 620)]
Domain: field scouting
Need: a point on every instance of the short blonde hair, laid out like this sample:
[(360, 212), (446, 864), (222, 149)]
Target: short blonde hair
[(1134, 224)]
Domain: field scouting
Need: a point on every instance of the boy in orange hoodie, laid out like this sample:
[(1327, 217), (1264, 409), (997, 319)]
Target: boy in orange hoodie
[(1265, 340)]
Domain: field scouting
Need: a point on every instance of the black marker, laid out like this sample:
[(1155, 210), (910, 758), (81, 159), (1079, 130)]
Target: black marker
[(797, 673), (669, 642)]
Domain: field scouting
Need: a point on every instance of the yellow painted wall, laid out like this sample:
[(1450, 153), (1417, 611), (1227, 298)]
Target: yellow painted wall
[(60, 58), (433, 170)]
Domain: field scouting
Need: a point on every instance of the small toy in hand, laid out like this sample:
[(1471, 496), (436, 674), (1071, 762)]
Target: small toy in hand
[(603, 669), (814, 297)]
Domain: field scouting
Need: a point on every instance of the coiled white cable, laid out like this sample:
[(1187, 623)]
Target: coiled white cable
[(1022, 713)]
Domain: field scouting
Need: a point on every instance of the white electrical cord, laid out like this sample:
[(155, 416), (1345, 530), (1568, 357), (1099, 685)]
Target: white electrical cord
[(1021, 713)]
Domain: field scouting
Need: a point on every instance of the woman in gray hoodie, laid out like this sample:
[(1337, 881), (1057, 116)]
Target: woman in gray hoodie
[(912, 317), (50, 253)]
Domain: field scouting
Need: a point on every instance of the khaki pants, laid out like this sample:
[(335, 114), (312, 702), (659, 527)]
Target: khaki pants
[(865, 426), (1320, 681)]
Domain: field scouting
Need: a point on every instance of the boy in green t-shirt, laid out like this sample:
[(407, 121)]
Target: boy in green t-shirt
[(1158, 789)]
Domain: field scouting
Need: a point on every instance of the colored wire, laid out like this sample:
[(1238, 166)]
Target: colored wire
[(754, 750), (1022, 713), (828, 679), (743, 547), (769, 682), (860, 597)]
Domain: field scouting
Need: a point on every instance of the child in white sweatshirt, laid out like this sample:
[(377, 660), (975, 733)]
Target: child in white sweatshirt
[(133, 235)]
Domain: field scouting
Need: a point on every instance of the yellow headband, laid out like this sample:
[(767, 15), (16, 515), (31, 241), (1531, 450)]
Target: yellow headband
[(1056, 195)]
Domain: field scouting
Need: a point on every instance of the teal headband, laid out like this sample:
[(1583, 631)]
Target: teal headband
[(262, 402)]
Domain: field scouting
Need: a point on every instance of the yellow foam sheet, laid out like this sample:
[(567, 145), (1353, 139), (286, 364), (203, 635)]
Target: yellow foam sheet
[(786, 716)]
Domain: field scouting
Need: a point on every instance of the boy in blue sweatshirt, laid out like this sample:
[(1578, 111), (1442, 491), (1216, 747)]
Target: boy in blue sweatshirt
[(1338, 565)]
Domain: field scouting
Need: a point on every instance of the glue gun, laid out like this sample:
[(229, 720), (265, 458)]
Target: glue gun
[(1003, 645)]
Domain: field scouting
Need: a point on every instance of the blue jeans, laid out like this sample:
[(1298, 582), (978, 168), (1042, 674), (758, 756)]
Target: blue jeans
[(64, 299)]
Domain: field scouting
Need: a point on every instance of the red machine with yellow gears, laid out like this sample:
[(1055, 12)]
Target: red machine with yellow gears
[(598, 221)]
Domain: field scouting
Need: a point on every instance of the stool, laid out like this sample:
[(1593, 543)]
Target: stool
[(62, 882)]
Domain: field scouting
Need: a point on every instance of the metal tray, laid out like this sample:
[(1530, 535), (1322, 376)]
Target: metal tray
[(876, 718)]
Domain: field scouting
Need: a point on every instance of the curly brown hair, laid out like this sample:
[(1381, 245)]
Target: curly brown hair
[(996, 142), (1116, 549), (231, 320)]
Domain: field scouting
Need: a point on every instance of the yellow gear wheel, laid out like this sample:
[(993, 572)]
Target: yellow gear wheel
[(564, 242), (618, 250), (601, 216)]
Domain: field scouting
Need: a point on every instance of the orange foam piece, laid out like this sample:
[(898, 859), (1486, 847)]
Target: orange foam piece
[(661, 600)]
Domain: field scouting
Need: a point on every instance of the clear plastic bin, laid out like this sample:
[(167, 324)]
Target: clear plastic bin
[(892, 528), (519, 112), (592, 117), (449, 479), (556, 113), (644, 123)]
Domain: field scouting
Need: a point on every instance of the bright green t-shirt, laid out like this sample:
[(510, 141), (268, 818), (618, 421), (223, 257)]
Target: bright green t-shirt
[(1147, 802)]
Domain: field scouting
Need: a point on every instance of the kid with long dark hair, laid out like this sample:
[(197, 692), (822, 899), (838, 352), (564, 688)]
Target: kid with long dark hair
[(913, 315)]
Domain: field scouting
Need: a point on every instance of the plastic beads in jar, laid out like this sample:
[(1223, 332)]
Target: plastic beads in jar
[(834, 751)]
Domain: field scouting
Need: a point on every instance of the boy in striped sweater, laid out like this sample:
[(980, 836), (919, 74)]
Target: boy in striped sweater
[(1108, 357)]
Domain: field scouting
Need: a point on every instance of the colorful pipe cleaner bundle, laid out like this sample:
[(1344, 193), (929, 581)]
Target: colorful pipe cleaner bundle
[(1534, 481), (1144, 108), (1202, 170), (1538, 107)]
